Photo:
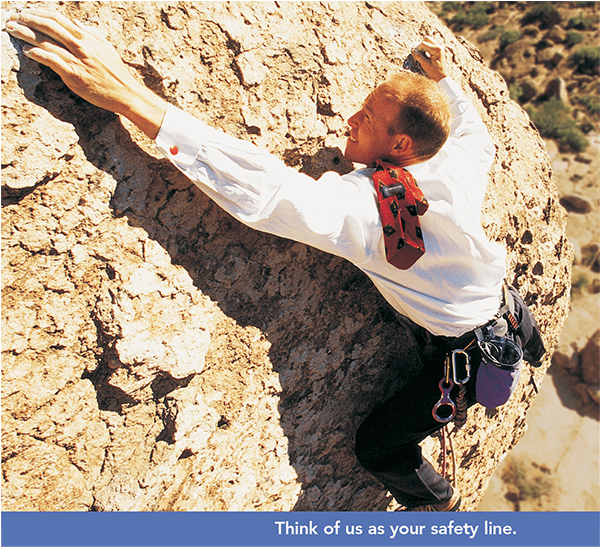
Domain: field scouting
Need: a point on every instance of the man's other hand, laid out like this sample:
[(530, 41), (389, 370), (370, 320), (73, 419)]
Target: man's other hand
[(432, 58)]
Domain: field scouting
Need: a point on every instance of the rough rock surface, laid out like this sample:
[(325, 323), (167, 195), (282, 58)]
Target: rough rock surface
[(160, 356)]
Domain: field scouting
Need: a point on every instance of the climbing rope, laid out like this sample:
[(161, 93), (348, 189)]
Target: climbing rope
[(443, 434), (446, 437), (453, 459)]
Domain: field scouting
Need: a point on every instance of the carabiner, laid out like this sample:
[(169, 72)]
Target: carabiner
[(467, 365)]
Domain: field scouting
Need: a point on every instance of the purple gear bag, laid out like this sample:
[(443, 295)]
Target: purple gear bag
[(499, 370)]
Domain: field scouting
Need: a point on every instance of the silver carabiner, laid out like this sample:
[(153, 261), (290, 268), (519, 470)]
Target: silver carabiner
[(467, 367)]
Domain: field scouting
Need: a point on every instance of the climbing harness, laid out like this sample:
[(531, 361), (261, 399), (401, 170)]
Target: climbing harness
[(499, 348)]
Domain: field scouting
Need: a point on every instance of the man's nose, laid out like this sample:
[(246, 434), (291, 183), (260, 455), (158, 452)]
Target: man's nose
[(353, 120)]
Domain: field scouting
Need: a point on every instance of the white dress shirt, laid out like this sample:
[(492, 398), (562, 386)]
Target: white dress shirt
[(454, 287)]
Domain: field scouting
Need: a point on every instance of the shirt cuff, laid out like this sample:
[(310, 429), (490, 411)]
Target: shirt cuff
[(180, 136)]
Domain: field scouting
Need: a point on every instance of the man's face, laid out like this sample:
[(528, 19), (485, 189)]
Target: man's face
[(368, 138)]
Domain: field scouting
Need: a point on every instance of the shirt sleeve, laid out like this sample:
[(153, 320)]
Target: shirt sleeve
[(463, 164), (467, 127), (262, 192)]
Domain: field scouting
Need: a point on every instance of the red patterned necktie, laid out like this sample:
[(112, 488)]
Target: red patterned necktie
[(401, 202)]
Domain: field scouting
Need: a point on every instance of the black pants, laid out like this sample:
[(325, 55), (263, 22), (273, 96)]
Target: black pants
[(387, 441)]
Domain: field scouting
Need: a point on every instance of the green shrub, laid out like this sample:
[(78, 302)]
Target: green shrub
[(590, 102), (447, 11), (579, 283), (470, 19), (524, 483), (580, 22), (586, 59), (543, 13), (472, 15), (491, 34), (553, 120), (509, 37), (515, 91), (573, 38), (572, 137), (450, 6)]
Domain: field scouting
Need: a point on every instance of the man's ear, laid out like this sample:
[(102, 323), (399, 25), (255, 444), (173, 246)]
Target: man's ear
[(403, 144), (403, 151)]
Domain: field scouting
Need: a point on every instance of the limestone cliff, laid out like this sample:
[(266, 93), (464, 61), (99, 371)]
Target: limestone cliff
[(157, 355)]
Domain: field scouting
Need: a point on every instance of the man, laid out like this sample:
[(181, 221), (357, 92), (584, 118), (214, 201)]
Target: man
[(430, 129)]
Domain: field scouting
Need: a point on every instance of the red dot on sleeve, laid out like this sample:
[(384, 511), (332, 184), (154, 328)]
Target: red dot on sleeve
[(174, 150)]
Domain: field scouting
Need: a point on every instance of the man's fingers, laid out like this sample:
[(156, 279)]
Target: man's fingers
[(429, 49), (432, 58), (425, 52), (421, 54), (48, 58), (430, 44), (21, 32), (27, 34), (38, 40), (50, 23)]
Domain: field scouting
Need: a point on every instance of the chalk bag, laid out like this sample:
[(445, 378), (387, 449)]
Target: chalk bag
[(499, 371)]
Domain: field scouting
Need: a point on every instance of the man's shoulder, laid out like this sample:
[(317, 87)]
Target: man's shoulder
[(356, 176), (361, 173)]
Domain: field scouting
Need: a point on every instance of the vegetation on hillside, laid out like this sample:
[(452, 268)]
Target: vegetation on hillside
[(537, 42)]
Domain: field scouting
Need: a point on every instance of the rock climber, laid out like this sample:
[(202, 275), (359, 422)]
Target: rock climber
[(409, 219)]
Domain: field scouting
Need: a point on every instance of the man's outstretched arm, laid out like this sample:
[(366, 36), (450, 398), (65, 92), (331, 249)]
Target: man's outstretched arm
[(89, 66), (254, 186)]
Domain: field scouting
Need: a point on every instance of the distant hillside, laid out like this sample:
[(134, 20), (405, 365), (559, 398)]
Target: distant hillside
[(548, 54)]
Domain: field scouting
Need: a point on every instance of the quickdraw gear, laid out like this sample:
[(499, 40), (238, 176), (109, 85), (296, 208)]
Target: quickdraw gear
[(460, 418)]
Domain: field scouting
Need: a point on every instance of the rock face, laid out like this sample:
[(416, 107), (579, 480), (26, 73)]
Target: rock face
[(160, 356)]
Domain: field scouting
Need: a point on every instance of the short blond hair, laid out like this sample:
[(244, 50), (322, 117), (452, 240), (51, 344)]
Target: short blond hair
[(423, 113)]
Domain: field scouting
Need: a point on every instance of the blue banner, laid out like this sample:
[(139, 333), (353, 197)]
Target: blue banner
[(300, 529)]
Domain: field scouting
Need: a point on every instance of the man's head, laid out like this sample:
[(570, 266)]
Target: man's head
[(405, 120)]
